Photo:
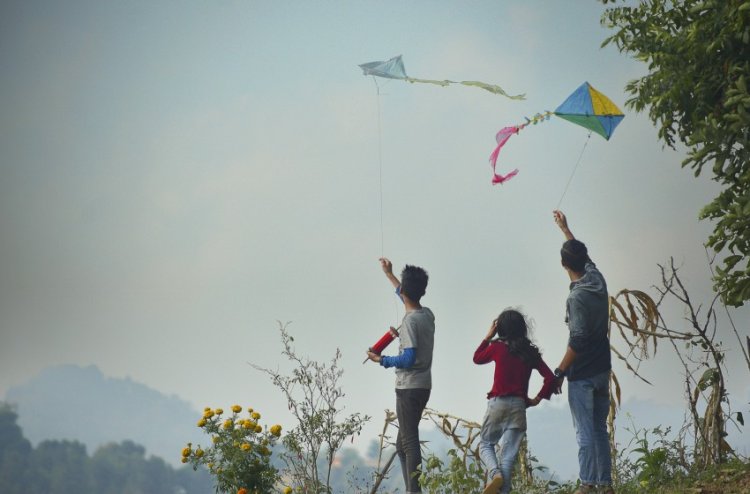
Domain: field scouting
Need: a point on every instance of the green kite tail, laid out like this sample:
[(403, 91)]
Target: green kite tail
[(394, 69)]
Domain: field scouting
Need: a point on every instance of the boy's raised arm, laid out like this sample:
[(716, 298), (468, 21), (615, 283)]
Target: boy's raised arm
[(387, 266)]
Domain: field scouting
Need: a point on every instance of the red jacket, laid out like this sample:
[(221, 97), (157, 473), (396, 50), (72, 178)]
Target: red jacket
[(511, 373)]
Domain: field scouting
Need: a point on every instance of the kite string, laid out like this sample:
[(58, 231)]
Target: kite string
[(570, 179), (380, 189), (380, 169)]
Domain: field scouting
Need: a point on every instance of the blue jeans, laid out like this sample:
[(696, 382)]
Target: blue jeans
[(410, 404), (589, 406), (505, 421)]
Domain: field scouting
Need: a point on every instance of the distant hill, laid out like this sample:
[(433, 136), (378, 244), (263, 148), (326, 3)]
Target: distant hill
[(80, 403)]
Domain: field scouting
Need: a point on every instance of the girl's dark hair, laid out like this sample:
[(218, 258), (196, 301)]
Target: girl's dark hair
[(513, 330)]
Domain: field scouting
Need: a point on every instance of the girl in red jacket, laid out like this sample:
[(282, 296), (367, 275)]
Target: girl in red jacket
[(505, 421)]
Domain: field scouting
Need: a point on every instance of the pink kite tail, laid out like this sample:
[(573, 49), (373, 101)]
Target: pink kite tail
[(502, 137), (498, 179)]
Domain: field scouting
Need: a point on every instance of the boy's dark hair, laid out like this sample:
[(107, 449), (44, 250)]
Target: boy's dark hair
[(574, 255), (413, 282), (513, 329)]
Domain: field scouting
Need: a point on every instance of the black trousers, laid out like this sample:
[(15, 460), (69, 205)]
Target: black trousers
[(410, 404)]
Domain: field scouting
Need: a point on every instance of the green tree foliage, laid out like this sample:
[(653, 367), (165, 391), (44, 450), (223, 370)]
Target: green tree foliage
[(63, 467), (696, 93), (60, 467), (15, 452)]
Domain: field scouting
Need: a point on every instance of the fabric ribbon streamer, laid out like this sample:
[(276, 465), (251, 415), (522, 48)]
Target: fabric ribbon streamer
[(394, 69), (586, 107)]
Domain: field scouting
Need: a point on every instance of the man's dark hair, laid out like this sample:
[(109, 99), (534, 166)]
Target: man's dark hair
[(574, 255), (413, 282)]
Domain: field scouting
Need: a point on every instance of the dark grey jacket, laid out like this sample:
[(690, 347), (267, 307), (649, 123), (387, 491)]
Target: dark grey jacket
[(587, 315)]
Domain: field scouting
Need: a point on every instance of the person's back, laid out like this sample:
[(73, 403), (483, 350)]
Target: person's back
[(514, 356), (587, 314), (587, 362), (413, 367), (418, 332)]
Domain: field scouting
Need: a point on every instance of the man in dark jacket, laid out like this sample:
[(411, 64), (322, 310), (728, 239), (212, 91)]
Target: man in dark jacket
[(587, 362)]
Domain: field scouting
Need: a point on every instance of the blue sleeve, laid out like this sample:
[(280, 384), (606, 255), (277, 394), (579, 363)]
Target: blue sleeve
[(403, 361), (398, 292)]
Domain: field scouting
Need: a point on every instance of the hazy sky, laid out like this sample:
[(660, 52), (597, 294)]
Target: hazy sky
[(175, 177)]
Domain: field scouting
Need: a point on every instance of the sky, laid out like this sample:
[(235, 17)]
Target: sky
[(178, 177)]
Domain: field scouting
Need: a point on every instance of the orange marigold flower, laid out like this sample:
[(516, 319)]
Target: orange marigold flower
[(242, 491)]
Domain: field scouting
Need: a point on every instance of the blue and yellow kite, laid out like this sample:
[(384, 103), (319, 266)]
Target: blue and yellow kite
[(586, 107)]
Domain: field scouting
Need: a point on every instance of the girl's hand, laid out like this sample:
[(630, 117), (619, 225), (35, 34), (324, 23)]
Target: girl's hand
[(373, 356), (491, 332), (532, 402)]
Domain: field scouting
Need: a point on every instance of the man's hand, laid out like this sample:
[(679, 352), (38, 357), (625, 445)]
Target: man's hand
[(562, 222), (373, 356), (558, 385)]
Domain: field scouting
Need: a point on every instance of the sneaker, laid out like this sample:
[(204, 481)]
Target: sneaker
[(494, 485)]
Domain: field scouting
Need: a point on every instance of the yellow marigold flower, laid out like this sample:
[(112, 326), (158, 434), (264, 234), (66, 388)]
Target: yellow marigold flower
[(236, 408), (255, 415), (207, 414), (199, 452), (246, 447), (258, 429), (215, 439), (276, 430), (248, 425), (219, 411), (201, 422), (287, 490), (184, 460), (264, 451), (186, 451), (228, 424), (249, 409)]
